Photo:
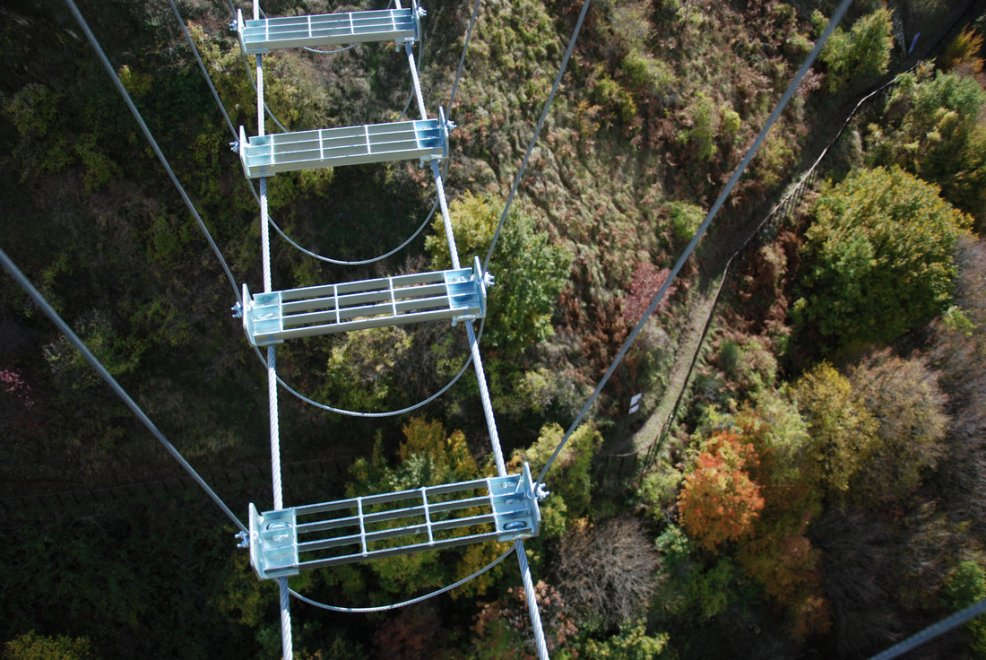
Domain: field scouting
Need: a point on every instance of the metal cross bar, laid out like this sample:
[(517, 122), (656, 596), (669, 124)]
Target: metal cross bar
[(266, 155), (264, 35), (284, 542), (456, 295)]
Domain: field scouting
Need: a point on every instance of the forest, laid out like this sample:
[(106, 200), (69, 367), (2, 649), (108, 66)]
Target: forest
[(802, 477)]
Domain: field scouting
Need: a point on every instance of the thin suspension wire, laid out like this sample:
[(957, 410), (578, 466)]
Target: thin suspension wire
[(659, 296), (319, 51), (537, 130), (150, 139), (341, 262), (462, 56), (205, 73), (932, 631), (412, 601), (94, 362)]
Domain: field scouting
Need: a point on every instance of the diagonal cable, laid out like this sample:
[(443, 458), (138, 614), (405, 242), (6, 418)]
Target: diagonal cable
[(537, 131), (94, 362), (661, 292), (932, 631), (150, 139)]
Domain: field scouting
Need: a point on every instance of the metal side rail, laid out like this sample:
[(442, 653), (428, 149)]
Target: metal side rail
[(286, 541), (455, 295), (264, 35), (267, 155)]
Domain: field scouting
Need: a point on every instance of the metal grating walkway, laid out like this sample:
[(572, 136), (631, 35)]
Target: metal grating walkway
[(456, 295), (267, 34), (286, 541), (266, 155)]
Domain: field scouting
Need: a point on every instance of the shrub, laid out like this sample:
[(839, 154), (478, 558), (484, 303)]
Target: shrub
[(685, 220), (861, 53)]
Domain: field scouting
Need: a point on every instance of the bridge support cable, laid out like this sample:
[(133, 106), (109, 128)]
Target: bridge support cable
[(690, 248), (484, 395), (477, 361), (284, 604), (94, 362)]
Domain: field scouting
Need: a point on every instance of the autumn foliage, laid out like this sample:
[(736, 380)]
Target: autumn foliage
[(718, 501)]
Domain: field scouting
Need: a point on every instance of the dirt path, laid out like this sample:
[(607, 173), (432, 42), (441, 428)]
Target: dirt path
[(698, 311)]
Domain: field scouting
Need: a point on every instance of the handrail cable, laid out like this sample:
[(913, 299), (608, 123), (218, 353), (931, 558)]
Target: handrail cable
[(94, 362), (411, 601), (662, 291)]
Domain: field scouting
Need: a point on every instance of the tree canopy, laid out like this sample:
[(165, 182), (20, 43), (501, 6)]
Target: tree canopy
[(879, 257)]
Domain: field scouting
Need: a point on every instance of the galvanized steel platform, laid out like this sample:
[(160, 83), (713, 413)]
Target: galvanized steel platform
[(267, 155), (456, 295), (286, 541), (267, 34)]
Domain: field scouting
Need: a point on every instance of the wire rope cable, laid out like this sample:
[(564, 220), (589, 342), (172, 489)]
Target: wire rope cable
[(222, 260), (537, 130), (342, 262), (150, 139), (462, 57), (387, 413), (94, 362), (411, 601), (205, 73), (727, 189), (934, 630)]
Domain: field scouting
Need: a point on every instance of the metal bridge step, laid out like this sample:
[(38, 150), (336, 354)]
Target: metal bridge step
[(267, 34), (286, 541), (267, 155), (456, 295)]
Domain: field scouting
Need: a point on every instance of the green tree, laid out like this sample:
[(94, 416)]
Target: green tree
[(861, 53), (933, 128), (878, 257), (570, 478), (842, 430), (32, 646), (964, 586), (360, 370), (530, 271), (631, 643)]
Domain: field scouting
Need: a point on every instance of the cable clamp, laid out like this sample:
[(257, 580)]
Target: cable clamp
[(488, 279), (234, 146), (233, 25), (237, 311), (244, 539), (540, 491)]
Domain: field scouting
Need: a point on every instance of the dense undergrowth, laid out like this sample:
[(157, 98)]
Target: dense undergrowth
[(818, 492)]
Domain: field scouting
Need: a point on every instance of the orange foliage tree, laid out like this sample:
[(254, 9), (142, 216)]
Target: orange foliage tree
[(718, 501)]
